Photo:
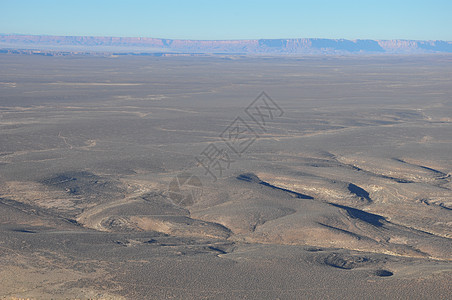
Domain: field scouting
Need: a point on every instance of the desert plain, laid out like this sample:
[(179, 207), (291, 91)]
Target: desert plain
[(176, 178)]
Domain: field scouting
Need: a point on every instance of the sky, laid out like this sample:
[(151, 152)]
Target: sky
[(226, 20)]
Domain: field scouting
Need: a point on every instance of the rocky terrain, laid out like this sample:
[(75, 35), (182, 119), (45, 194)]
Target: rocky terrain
[(343, 190)]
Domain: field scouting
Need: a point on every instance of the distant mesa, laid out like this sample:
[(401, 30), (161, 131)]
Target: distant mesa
[(48, 45)]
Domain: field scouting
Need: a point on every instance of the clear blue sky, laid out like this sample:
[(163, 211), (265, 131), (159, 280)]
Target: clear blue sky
[(422, 20)]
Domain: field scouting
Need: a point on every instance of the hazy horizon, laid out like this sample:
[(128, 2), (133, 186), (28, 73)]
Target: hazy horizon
[(231, 39), (202, 20)]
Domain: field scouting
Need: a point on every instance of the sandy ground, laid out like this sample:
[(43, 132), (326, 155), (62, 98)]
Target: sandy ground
[(334, 184)]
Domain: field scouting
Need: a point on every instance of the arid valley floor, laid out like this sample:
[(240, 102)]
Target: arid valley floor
[(337, 188)]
